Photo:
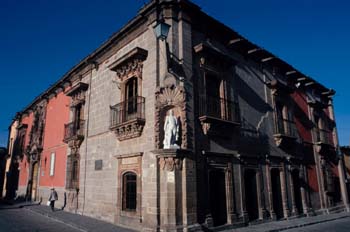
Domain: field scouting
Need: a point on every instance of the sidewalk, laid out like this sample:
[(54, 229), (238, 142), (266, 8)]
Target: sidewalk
[(82, 223), (275, 226), (15, 204)]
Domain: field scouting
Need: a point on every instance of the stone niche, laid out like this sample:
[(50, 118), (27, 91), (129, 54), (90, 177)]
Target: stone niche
[(178, 114), (171, 98)]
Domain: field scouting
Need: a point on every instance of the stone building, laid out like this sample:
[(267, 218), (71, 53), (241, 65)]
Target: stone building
[(251, 138)]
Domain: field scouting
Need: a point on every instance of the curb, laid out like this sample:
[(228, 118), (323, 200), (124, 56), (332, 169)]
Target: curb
[(307, 224)]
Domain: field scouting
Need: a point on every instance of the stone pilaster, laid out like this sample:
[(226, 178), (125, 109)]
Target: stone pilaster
[(177, 190), (284, 192)]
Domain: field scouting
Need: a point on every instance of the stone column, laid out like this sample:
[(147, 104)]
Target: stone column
[(231, 214), (259, 190), (343, 188), (292, 190), (177, 190), (284, 192), (303, 191), (244, 213), (269, 189)]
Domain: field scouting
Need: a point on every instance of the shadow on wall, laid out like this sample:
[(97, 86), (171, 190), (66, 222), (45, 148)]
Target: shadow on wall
[(249, 95), (251, 140)]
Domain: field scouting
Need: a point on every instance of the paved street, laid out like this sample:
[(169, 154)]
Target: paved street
[(22, 220), (341, 225)]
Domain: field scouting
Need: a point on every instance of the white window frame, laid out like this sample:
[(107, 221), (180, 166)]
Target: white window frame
[(52, 163)]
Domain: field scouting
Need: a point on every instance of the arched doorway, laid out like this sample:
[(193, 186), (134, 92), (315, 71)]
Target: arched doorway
[(297, 192), (276, 193), (251, 194), (218, 206)]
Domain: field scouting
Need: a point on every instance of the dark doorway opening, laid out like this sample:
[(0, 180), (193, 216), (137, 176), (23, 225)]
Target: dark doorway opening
[(251, 196), (297, 193), (218, 206), (337, 190), (276, 193)]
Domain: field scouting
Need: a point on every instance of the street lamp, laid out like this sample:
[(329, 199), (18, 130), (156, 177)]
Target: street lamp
[(161, 29)]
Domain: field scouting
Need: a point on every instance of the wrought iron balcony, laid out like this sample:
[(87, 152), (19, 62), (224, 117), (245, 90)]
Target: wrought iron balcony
[(74, 130), (285, 132), (324, 137), (217, 112), (286, 127), (219, 108), (128, 118)]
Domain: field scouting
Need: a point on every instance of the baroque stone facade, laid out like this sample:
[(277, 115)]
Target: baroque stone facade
[(256, 139)]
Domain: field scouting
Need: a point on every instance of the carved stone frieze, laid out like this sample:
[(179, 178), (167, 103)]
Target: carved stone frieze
[(130, 68), (129, 129), (129, 65), (170, 163)]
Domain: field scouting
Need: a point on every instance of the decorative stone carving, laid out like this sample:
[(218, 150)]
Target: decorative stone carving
[(170, 163), (74, 145), (171, 97), (130, 68), (129, 65), (35, 145), (77, 93), (130, 129), (205, 127)]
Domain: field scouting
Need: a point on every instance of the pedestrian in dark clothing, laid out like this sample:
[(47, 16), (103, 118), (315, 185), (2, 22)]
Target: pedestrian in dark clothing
[(53, 197)]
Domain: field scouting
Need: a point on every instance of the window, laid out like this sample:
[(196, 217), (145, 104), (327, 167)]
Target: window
[(131, 95), (129, 191), (285, 124), (52, 164)]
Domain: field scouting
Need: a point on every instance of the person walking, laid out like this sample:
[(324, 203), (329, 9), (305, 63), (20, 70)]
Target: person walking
[(53, 197)]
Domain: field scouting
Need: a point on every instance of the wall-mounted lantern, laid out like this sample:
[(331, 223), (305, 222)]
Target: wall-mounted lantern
[(161, 29)]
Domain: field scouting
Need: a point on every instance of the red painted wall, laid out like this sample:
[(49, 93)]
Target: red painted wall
[(57, 114), (302, 116)]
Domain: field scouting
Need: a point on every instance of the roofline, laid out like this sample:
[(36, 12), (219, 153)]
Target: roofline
[(89, 59)]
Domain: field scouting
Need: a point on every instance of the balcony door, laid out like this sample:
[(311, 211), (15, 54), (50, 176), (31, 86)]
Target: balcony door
[(131, 98), (213, 87)]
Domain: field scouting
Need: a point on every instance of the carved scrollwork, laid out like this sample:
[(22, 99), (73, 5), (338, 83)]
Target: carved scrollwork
[(130, 129), (35, 145), (170, 163), (130, 68)]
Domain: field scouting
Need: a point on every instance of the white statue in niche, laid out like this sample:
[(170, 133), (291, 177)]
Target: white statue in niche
[(171, 131)]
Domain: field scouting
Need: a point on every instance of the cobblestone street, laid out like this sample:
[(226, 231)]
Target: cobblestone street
[(21, 220), (39, 218)]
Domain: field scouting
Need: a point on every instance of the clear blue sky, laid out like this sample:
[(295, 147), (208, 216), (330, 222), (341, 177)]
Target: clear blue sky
[(40, 40)]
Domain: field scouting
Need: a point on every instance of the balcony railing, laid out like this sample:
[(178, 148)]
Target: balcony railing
[(74, 129), (286, 127), (133, 108), (219, 108), (324, 136)]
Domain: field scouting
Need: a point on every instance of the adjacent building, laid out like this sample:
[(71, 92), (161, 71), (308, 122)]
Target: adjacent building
[(254, 139)]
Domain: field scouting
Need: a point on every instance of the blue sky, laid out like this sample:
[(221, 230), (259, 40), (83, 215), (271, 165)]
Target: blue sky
[(40, 40)]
